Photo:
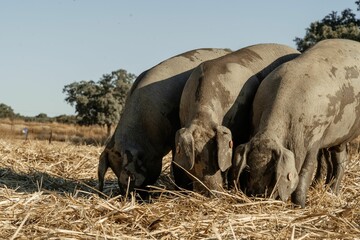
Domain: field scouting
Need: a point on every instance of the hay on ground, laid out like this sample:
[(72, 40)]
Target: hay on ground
[(49, 192)]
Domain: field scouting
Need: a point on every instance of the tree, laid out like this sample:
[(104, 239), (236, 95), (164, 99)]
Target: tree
[(42, 115), (102, 102), (345, 25), (6, 111), (66, 119)]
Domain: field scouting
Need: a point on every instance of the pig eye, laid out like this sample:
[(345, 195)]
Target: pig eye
[(139, 164), (129, 155), (140, 156), (270, 167)]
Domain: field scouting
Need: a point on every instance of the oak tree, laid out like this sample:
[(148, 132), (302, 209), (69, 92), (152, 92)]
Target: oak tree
[(100, 102), (345, 25)]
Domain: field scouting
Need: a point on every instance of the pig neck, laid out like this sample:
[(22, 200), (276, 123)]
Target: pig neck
[(134, 133), (285, 132)]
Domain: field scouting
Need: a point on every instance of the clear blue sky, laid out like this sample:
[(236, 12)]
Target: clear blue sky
[(47, 44)]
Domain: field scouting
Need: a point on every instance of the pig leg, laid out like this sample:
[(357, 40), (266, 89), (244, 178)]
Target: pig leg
[(305, 177), (339, 161), (324, 166)]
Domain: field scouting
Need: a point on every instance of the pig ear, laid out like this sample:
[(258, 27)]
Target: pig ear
[(185, 149), (224, 147), (286, 174), (240, 160), (102, 168)]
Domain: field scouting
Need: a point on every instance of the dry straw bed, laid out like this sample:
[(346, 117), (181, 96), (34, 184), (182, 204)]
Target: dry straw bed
[(48, 191)]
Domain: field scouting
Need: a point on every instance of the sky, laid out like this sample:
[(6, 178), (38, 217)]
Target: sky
[(47, 44)]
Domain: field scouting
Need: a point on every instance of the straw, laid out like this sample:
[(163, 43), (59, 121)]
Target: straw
[(49, 191)]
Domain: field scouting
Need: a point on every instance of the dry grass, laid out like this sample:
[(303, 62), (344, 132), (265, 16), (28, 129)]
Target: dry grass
[(57, 131), (47, 191)]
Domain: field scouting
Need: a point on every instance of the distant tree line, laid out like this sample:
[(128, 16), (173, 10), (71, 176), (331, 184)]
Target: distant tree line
[(7, 112), (96, 103), (42, 117)]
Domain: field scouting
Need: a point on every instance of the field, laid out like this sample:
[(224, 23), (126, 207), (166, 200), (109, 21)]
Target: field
[(48, 191), (52, 131)]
